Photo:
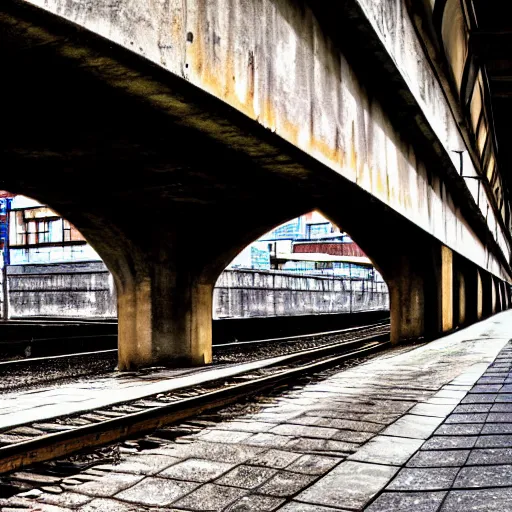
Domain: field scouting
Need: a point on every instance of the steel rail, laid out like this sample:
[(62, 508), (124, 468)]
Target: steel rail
[(222, 346), (302, 336), (54, 445)]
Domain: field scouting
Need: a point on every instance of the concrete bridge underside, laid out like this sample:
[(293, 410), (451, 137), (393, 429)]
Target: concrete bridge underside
[(169, 182)]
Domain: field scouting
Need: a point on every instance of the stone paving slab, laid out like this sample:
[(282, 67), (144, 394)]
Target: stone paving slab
[(372, 437), (360, 482), (389, 450)]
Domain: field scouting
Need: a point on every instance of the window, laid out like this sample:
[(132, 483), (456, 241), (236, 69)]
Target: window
[(71, 234), (318, 230), (40, 226)]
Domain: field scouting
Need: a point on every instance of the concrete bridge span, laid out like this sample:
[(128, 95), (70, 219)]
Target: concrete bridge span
[(192, 114)]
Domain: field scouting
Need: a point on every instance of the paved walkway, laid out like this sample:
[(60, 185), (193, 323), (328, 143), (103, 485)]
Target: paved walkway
[(467, 463), (387, 435)]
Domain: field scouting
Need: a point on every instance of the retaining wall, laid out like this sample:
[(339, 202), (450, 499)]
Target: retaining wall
[(86, 290)]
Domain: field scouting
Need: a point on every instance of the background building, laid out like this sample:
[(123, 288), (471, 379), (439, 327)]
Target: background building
[(309, 244), (33, 233)]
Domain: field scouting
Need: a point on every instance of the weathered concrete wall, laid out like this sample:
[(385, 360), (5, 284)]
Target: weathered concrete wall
[(80, 290), (86, 290), (243, 294), (272, 60), (398, 34)]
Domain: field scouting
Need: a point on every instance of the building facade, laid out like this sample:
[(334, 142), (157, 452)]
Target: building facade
[(37, 234)]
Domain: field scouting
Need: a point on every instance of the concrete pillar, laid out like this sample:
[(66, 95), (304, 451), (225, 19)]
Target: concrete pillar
[(494, 298), (461, 298), (410, 294), (421, 295), (165, 318), (446, 288), (497, 289), (504, 292), (407, 301), (165, 278), (479, 296), (488, 294)]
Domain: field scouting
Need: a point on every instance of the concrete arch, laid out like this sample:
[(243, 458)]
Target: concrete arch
[(114, 143)]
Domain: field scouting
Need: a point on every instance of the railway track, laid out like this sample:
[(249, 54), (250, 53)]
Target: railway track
[(24, 445), (217, 348), (300, 337)]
